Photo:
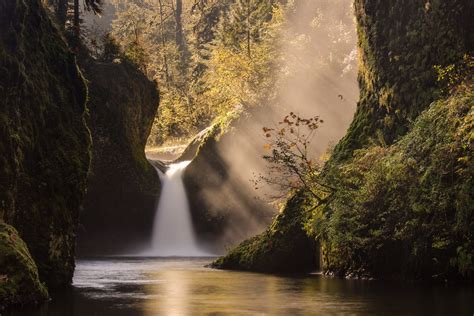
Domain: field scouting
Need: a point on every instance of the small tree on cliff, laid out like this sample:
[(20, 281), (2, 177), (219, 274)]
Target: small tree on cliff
[(290, 166)]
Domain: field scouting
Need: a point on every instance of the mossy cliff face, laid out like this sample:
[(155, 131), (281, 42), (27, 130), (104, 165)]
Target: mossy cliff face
[(44, 141), (404, 201), (123, 186), (223, 209), (19, 280), (403, 208), (407, 210), (283, 248), (400, 42)]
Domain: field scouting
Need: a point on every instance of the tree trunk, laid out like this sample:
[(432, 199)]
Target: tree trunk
[(179, 37), (61, 11), (179, 26), (163, 43), (249, 53), (76, 19)]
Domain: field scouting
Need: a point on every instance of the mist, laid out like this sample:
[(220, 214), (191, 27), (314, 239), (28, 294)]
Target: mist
[(317, 76), (316, 70)]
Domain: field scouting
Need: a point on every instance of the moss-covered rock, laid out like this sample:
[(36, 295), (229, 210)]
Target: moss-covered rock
[(44, 141), (19, 279), (403, 205), (283, 248), (407, 210), (402, 209), (400, 42), (223, 208), (123, 186)]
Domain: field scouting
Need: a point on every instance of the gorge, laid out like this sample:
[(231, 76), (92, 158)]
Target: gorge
[(157, 160)]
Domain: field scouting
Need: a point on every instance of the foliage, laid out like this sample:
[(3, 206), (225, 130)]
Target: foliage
[(146, 33), (407, 209), (19, 280), (451, 76), (234, 78), (233, 54), (396, 75), (205, 16), (290, 165), (68, 13), (213, 81), (244, 24)]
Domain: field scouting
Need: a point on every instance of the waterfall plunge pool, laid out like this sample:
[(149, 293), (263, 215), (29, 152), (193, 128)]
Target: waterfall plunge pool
[(171, 279), (183, 286)]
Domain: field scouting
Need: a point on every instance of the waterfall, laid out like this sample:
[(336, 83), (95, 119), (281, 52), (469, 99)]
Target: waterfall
[(173, 232)]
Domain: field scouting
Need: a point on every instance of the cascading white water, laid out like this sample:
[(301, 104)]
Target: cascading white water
[(173, 233)]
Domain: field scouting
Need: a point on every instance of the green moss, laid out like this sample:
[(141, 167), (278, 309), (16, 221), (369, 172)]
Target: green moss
[(19, 280), (44, 142), (205, 140), (400, 42), (283, 248), (404, 204), (407, 210)]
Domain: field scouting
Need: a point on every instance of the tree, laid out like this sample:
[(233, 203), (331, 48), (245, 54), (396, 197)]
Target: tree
[(205, 17), (94, 6), (179, 35), (290, 167), (244, 22), (61, 10), (153, 35), (61, 7), (236, 77)]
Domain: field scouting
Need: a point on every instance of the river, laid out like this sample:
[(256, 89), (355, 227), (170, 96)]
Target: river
[(183, 286)]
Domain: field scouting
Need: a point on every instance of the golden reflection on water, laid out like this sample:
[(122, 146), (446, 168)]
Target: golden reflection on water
[(180, 287), (171, 294), (210, 292)]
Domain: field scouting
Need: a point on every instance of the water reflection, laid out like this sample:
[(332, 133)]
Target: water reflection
[(148, 287)]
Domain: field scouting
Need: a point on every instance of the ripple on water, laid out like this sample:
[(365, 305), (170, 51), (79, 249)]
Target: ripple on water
[(182, 286)]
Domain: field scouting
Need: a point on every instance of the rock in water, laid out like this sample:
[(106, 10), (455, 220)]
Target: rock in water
[(19, 280), (283, 248)]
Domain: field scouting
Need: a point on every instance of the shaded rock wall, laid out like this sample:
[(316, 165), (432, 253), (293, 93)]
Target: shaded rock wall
[(223, 208), (123, 187), (400, 42), (44, 141)]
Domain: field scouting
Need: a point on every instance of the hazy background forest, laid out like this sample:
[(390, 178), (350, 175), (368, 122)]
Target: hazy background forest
[(211, 58)]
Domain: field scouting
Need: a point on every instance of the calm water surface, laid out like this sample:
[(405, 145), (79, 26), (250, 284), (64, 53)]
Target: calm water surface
[(157, 286)]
